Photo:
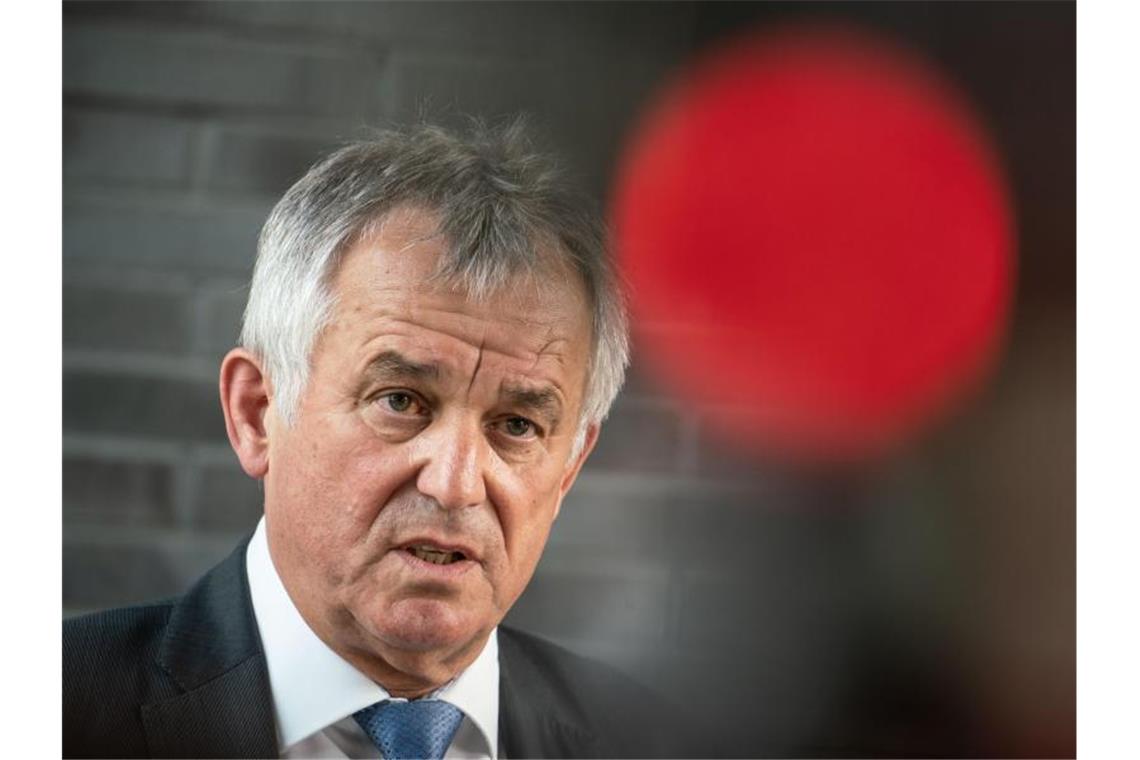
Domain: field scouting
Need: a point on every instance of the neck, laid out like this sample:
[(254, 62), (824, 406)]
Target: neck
[(408, 674)]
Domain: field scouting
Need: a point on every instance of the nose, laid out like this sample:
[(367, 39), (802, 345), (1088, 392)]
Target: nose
[(453, 460)]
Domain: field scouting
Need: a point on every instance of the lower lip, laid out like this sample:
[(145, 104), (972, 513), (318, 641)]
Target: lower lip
[(423, 567)]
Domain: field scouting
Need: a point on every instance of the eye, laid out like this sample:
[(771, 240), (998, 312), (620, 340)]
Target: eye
[(518, 427), (401, 402)]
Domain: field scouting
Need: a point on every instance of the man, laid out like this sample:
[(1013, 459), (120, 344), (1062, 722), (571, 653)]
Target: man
[(432, 339)]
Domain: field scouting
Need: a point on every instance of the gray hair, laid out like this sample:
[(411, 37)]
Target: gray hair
[(504, 211)]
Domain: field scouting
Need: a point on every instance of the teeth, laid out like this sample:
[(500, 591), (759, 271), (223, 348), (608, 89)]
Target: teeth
[(435, 556)]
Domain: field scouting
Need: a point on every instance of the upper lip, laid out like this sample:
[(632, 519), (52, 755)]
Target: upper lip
[(438, 545)]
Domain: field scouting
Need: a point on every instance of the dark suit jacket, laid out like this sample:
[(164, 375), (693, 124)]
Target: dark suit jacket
[(187, 678)]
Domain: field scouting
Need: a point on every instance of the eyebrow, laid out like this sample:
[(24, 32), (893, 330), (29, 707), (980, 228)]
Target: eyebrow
[(539, 401), (393, 364)]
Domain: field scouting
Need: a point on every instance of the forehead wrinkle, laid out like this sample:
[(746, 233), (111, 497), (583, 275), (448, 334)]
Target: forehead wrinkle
[(439, 302), (404, 360), (481, 333), (478, 363), (557, 349)]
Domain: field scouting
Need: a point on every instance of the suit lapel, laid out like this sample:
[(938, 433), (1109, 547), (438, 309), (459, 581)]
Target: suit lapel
[(230, 716), (213, 652)]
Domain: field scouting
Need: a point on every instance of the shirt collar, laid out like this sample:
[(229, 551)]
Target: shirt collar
[(313, 687)]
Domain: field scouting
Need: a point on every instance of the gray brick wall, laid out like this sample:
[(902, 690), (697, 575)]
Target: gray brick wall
[(766, 591)]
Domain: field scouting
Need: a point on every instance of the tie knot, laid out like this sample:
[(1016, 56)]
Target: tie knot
[(415, 730)]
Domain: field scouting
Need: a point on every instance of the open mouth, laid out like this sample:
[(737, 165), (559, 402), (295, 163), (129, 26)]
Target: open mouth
[(435, 556)]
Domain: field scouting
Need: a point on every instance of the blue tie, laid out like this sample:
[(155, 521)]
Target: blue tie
[(411, 730)]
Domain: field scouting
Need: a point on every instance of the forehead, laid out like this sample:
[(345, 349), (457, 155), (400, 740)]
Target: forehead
[(387, 285)]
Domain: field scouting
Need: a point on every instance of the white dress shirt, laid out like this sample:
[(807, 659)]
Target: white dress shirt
[(315, 691)]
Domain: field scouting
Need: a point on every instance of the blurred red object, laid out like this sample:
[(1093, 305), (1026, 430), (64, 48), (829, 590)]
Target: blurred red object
[(818, 242)]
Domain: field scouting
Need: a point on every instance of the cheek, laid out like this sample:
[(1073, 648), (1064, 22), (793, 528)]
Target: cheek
[(526, 507), (366, 477), (330, 490)]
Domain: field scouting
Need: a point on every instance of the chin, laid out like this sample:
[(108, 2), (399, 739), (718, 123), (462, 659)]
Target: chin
[(427, 625)]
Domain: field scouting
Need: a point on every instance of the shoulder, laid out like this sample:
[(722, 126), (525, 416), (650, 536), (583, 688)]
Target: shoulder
[(110, 667), (164, 678), (612, 712), (94, 636), (566, 676)]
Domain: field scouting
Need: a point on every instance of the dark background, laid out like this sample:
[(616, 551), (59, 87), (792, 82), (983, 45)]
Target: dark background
[(925, 606)]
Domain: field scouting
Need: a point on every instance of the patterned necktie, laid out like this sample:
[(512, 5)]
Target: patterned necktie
[(415, 730)]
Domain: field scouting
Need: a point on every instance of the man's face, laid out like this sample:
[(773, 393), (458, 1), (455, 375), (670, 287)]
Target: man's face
[(408, 504)]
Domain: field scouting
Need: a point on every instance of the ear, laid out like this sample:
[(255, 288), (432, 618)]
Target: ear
[(575, 466), (245, 394)]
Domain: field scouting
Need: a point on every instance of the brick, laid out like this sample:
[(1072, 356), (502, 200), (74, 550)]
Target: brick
[(263, 163), (788, 593), (313, 19), (161, 238), (227, 500), (117, 492), (640, 384), (527, 27), (706, 618), (481, 25), (212, 69), (100, 573), (644, 437), (219, 319), (449, 87), (717, 523), (719, 456), (128, 320), (762, 530), (306, 16), (588, 605), (598, 519), (143, 406), (116, 147), (100, 576)]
